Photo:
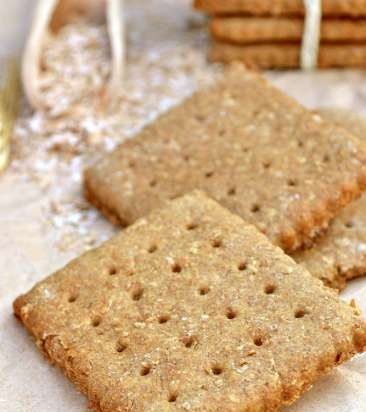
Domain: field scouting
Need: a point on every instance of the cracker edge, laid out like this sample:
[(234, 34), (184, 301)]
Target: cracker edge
[(354, 9)]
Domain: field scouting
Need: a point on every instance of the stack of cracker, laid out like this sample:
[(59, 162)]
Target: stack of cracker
[(194, 306), (268, 34)]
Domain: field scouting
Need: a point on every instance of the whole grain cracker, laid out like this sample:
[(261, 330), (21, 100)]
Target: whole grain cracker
[(247, 30), (340, 254), (250, 147), (287, 55), (190, 309), (354, 8)]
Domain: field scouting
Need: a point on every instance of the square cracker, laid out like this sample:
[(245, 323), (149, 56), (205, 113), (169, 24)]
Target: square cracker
[(266, 56), (250, 147), (251, 30), (353, 8), (190, 309), (340, 254)]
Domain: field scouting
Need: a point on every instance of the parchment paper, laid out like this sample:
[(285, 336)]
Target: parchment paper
[(29, 246)]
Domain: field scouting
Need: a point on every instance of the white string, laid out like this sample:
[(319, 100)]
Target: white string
[(311, 34)]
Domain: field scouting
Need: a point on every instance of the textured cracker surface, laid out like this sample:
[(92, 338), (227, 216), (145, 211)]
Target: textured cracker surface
[(250, 147), (340, 254), (190, 308), (268, 29), (287, 55), (281, 7)]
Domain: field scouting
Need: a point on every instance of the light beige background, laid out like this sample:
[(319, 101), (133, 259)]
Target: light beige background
[(15, 16), (28, 249)]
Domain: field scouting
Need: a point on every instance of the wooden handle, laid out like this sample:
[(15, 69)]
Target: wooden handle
[(51, 15)]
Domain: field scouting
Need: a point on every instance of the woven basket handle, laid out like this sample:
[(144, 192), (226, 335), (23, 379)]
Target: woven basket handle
[(49, 16)]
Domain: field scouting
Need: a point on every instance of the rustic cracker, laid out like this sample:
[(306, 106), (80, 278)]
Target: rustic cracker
[(354, 8), (246, 30), (340, 254), (190, 309), (287, 56), (248, 146)]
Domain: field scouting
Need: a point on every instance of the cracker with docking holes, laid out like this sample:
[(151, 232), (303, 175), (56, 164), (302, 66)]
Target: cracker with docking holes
[(340, 254), (247, 145), (351, 8), (249, 30), (191, 309), (287, 55)]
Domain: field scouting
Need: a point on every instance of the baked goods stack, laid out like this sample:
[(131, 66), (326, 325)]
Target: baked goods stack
[(268, 35)]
